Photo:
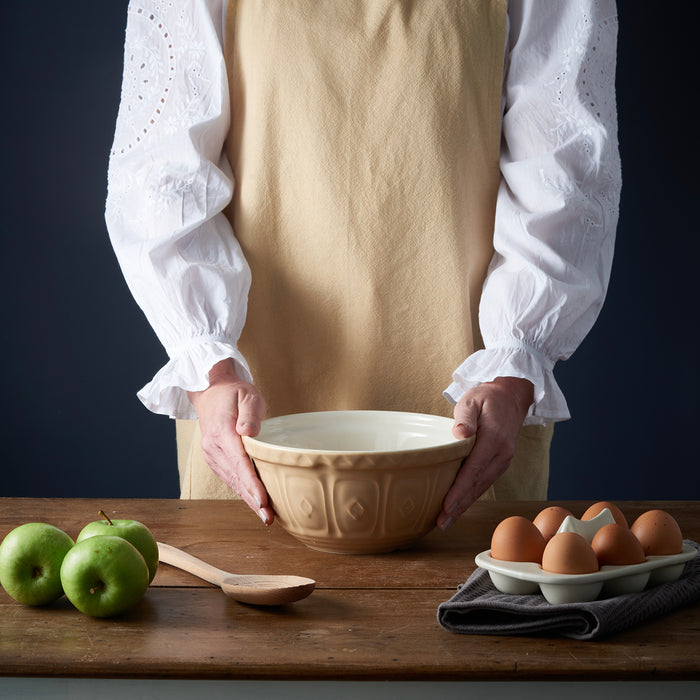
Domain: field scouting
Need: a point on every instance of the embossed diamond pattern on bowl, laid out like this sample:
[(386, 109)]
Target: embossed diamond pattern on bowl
[(364, 500)]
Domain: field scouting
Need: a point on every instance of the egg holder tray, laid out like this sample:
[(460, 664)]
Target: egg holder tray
[(522, 578)]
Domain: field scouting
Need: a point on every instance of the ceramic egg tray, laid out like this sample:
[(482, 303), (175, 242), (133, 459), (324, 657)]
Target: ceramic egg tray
[(521, 578)]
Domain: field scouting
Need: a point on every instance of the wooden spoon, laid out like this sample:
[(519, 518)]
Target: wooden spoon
[(256, 589)]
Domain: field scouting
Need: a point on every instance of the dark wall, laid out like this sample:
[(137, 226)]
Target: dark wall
[(633, 383), (76, 347)]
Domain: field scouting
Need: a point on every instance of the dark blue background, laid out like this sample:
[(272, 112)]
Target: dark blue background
[(76, 347)]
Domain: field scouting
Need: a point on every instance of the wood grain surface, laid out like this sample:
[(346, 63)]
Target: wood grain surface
[(372, 617)]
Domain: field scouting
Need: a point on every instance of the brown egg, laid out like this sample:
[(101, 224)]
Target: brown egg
[(517, 539), (549, 520), (595, 509), (616, 545), (569, 553), (658, 533)]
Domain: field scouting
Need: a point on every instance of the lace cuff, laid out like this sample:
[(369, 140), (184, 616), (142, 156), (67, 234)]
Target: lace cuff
[(513, 361), (188, 370)]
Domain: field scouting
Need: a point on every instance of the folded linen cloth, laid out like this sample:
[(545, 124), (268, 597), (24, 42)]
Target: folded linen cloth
[(479, 608)]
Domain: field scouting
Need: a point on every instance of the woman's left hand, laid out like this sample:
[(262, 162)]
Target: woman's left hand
[(494, 412)]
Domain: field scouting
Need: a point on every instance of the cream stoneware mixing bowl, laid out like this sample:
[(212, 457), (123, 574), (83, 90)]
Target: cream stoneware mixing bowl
[(357, 482)]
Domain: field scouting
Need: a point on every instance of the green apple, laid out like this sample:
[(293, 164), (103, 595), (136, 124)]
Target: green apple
[(131, 530), (104, 575), (30, 562)]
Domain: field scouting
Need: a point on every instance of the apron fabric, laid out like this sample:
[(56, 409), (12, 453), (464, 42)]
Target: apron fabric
[(365, 144)]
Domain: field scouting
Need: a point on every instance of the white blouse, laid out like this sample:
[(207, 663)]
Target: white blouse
[(556, 213)]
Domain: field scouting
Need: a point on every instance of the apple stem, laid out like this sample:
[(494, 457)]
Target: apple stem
[(105, 516)]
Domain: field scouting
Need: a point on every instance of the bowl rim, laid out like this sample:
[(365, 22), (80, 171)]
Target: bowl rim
[(451, 445)]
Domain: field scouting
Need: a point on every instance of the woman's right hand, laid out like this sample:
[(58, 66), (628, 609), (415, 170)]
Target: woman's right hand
[(228, 409)]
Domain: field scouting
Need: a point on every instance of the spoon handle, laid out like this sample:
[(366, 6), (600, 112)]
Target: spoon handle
[(182, 560)]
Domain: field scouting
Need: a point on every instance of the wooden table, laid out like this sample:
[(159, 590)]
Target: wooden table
[(370, 618)]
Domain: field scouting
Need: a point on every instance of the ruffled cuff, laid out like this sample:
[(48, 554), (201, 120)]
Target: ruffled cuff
[(513, 361), (188, 370)]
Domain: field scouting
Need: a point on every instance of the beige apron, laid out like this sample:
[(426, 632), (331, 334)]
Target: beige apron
[(365, 144)]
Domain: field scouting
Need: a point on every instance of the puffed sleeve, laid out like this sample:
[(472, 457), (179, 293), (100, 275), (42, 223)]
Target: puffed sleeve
[(558, 202), (168, 184)]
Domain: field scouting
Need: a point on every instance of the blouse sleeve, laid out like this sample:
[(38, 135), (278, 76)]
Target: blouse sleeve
[(168, 184), (557, 207)]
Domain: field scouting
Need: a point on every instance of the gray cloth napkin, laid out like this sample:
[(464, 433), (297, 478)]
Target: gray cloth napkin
[(479, 608)]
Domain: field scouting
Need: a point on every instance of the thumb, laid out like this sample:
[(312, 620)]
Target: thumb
[(466, 416), (251, 411)]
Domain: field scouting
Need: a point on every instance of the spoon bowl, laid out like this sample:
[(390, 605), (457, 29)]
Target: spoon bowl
[(254, 589)]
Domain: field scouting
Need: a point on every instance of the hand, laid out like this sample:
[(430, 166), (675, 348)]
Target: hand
[(228, 409), (494, 412)]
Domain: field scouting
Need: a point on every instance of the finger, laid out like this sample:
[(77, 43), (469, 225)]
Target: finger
[(251, 411), (463, 491), (254, 495), (229, 461), (487, 461), (466, 415), (250, 488)]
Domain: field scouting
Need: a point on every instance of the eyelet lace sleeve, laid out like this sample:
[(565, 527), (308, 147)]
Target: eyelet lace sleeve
[(558, 203), (168, 184)]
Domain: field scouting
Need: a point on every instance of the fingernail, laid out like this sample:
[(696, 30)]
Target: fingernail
[(447, 524), (461, 429), (453, 508), (262, 516)]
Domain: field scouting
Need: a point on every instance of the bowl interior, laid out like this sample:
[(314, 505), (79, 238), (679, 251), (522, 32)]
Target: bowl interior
[(356, 431)]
